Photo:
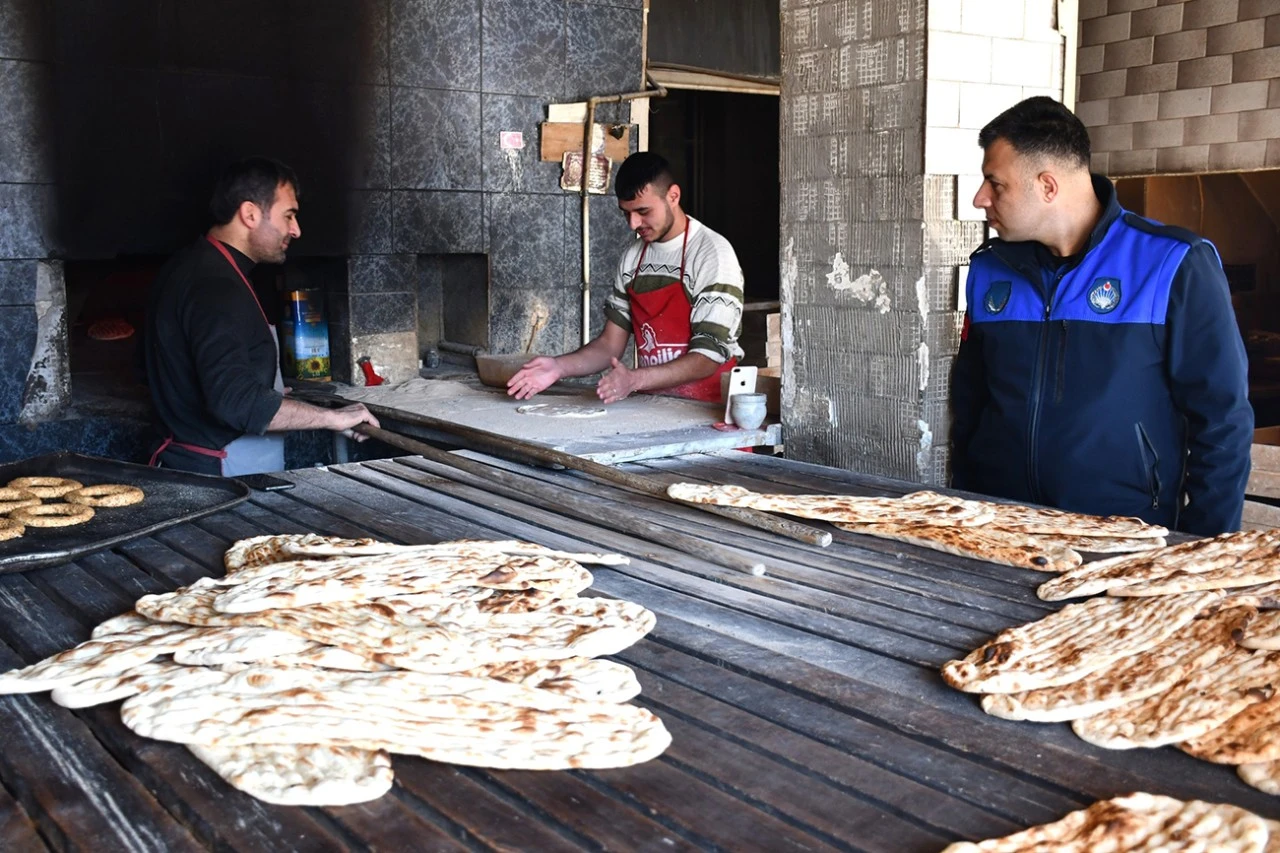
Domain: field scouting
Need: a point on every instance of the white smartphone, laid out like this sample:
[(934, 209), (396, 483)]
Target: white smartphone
[(742, 380)]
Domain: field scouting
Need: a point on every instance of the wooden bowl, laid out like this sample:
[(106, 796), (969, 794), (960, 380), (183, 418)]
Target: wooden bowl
[(495, 370)]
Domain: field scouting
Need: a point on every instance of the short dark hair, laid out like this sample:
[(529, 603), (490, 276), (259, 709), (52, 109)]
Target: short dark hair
[(253, 179), (1040, 126), (640, 170)]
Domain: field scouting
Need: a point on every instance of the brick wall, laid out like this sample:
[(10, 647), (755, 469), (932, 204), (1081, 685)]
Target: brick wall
[(983, 57), (1169, 87)]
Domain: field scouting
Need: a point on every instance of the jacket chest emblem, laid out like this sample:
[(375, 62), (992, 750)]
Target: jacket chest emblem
[(997, 296), (1104, 295)]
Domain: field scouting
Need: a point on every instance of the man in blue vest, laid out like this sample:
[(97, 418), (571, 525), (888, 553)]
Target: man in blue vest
[(1101, 369)]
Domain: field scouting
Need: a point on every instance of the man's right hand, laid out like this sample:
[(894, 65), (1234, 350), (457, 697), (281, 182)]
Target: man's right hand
[(537, 375), (346, 417)]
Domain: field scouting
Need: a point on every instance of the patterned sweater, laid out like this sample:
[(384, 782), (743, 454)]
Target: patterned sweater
[(712, 283)]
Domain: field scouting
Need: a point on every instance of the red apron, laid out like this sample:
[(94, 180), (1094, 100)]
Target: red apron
[(660, 321)]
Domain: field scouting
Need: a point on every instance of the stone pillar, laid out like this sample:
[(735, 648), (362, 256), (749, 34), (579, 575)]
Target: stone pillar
[(28, 284), (47, 393), (881, 104), (852, 232)]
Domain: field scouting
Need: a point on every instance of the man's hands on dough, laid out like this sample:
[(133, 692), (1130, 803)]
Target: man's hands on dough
[(618, 383), (536, 376)]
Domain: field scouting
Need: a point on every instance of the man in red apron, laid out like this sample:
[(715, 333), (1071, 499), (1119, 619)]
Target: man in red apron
[(678, 290), (213, 364)]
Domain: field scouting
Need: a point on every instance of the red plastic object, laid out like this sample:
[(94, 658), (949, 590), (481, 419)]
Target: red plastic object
[(110, 329), (371, 378)]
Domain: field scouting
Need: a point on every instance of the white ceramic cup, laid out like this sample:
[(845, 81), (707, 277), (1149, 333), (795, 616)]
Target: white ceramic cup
[(747, 410)]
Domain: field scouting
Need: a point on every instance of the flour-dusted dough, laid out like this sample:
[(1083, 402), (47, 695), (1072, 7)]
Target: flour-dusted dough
[(562, 410)]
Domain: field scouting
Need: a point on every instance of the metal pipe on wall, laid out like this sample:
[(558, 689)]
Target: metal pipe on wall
[(460, 349), (656, 92)]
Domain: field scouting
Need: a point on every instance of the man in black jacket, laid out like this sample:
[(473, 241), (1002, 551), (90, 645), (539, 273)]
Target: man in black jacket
[(212, 360), (1101, 369)]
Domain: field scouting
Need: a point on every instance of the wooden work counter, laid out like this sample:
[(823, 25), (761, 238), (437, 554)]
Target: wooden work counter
[(806, 706)]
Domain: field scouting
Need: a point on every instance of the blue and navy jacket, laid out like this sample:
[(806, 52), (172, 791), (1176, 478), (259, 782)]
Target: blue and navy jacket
[(1114, 383)]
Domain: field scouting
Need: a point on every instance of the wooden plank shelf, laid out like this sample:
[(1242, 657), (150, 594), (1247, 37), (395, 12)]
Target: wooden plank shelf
[(806, 706)]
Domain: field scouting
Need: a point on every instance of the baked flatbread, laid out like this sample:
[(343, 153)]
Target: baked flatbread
[(107, 655), (324, 657), (1243, 574), (193, 605), (264, 550), (131, 622), (1263, 775), (581, 678), (517, 601), (1264, 596), (1251, 736), (256, 551), (301, 774), (298, 583), (1064, 647), (915, 508), (475, 721), (237, 644), (1193, 707), (1201, 555), (431, 640), (322, 546), (1193, 646), (162, 675), (1102, 544), (1017, 518), (1137, 823), (980, 543), (1262, 632)]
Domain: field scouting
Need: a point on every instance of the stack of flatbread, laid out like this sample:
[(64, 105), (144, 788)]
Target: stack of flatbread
[(1195, 665), (296, 674), (1046, 540), (1142, 821), (1229, 561)]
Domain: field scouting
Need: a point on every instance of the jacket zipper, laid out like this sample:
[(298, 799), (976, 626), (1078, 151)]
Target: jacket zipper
[(1037, 389), (1062, 365), (1153, 470)]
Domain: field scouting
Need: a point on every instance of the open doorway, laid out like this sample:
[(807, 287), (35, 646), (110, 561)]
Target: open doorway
[(1239, 212), (723, 148)]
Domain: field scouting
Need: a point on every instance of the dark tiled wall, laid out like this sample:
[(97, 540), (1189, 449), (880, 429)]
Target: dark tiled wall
[(115, 115), (26, 191), (459, 74)]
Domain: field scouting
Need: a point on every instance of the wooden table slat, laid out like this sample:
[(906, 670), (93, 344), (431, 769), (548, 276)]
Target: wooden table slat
[(18, 832), (828, 568), (395, 824), (490, 820), (122, 574), (802, 799), (967, 793), (76, 790)]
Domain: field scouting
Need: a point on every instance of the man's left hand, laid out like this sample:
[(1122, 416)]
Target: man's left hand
[(617, 384)]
